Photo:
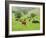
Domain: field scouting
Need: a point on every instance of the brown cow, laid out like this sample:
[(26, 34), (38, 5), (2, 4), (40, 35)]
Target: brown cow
[(23, 21)]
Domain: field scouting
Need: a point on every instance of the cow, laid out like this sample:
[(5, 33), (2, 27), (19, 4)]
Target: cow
[(23, 21)]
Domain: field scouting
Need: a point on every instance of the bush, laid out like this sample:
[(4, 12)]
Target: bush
[(35, 20)]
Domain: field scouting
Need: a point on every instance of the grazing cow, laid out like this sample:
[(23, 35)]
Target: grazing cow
[(23, 21)]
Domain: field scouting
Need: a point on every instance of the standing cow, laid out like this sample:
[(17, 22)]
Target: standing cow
[(23, 21)]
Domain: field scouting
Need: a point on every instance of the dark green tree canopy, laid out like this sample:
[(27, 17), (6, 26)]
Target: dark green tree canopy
[(33, 15)]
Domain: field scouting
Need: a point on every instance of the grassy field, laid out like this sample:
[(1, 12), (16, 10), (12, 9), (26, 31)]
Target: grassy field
[(25, 13), (17, 26)]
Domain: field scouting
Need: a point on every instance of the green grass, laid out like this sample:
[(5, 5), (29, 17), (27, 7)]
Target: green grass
[(17, 26)]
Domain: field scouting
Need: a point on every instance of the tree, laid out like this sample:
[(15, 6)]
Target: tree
[(25, 11), (18, 14), (33, 15)]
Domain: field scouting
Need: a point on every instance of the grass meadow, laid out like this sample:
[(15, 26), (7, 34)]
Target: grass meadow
[(25, 18)]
